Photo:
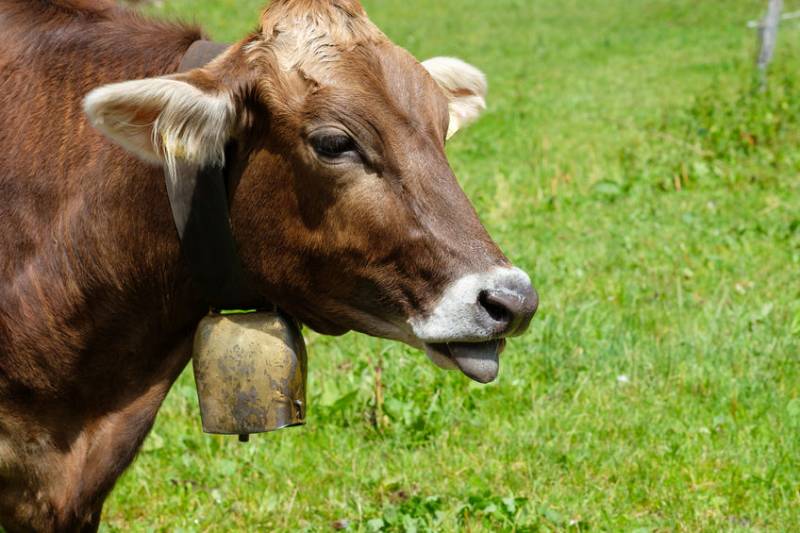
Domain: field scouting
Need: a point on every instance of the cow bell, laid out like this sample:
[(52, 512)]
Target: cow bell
[(250, 371)]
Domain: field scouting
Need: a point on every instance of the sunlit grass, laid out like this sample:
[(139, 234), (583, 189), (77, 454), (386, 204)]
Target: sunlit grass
[(625, 164)]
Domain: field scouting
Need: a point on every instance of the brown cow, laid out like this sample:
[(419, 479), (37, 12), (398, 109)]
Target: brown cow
[(343, 207)]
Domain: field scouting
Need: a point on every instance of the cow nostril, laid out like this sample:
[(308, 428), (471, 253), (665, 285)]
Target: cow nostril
[(510, 307), (496, 309)]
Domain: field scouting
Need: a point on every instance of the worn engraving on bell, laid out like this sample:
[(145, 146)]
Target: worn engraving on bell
[(250, 371)]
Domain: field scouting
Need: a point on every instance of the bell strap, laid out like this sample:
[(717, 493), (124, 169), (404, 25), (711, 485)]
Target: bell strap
[(199, 200)]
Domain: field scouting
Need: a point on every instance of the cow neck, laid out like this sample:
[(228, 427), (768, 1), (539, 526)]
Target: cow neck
[(199, 201)]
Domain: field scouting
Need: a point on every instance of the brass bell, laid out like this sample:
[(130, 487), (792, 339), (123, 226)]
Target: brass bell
[(250, 371)]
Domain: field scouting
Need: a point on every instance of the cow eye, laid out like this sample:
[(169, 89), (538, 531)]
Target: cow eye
[(333, 145)]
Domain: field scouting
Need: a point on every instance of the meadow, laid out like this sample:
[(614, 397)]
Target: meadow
[(628, 163)]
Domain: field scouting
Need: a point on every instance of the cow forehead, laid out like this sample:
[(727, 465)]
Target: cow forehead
[(333, 44), (410, 88), (388, 81), (310, 35)]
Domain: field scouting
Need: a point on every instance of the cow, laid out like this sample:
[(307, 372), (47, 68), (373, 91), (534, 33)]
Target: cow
[(344, 210)]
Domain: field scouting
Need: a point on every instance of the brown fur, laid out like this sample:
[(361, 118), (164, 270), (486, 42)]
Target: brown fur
[(89, 270), (96, 307)]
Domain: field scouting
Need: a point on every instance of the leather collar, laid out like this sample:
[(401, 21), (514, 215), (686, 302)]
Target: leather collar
[(200, 54), (199, 201)]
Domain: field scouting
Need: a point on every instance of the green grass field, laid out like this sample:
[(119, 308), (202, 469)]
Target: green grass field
[(626, 163)]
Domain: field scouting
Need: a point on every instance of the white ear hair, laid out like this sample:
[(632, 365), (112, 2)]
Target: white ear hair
[(163, 120), (466, 87)]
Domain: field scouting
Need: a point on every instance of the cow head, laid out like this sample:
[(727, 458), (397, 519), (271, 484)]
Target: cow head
[(345, 209)]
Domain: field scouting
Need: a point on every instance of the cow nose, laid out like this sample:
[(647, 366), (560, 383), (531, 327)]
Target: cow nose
[(511, 306)]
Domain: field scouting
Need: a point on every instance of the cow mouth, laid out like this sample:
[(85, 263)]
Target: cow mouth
[(479, 361)]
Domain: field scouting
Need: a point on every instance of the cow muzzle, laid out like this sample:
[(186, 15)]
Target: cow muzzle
[(468, 326)]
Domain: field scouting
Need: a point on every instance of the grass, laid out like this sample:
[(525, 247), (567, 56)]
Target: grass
[(626, 163)]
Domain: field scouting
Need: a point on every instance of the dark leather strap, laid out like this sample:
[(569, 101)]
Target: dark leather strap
[(199, 201), (200, 54)]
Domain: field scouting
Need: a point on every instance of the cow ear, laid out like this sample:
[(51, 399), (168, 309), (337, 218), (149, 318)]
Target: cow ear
[(186, 117), (465, 86)]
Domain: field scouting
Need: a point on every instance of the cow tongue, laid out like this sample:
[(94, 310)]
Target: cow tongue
[(479, 361)]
